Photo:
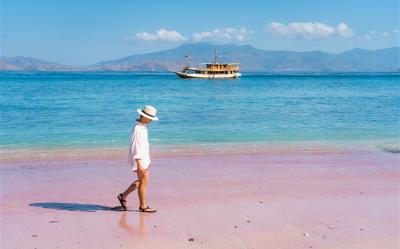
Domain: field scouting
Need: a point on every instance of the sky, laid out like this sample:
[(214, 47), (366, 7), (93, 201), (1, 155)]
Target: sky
[(85, 32)]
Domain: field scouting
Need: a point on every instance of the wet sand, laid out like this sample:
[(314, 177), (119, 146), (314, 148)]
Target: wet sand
[(276, 199)]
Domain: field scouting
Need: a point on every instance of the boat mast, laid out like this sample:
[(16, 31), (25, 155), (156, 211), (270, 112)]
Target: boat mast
[(215, 57), (186, 58)]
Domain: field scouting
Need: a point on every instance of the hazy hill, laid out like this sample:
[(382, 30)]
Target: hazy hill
[(21, 63), (250, 58), (253, 59)]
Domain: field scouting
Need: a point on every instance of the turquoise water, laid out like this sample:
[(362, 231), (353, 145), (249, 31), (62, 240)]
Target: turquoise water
[(98, 109)]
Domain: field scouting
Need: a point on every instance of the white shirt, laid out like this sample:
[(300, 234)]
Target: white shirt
[(139, 147)]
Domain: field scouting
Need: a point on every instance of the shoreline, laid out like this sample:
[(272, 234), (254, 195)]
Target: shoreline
[(120, 152)]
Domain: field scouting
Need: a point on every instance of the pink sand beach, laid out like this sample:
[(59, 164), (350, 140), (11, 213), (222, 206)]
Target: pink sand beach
[(319, 197)]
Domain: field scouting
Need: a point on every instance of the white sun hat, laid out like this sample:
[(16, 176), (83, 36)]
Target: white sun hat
[(149, 112)]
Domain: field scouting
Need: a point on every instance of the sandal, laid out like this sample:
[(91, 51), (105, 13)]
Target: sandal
[(122, 201), (147, 210)]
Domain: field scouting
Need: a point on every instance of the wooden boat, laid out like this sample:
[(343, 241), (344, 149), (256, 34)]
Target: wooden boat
[(214, 70)]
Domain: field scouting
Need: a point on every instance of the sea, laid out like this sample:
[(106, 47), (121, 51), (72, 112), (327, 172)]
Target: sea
[(98, 109)]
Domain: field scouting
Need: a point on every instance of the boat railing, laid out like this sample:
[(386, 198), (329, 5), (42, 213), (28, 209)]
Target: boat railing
[(213, 69)]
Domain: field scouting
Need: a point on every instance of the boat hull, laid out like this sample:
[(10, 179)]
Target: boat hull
[(208, 76)]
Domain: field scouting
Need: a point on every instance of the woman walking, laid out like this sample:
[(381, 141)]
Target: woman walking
[(139, 158)]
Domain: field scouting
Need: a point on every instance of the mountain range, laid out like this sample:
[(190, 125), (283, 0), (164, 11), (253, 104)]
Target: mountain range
[(251, 60)]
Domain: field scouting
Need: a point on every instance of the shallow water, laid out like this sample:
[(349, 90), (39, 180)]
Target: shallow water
[(47, 110)]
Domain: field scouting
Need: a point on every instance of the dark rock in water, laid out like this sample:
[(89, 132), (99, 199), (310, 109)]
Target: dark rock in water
[(391, 149), (191, 239)]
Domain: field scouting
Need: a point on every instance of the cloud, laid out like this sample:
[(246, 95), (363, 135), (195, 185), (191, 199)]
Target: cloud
[(344, 30), (160, 35), (371, 35), (223, 35), (368, 37), (308, 30)]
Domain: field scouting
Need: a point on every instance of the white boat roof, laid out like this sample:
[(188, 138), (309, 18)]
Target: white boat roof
[(235, 63)]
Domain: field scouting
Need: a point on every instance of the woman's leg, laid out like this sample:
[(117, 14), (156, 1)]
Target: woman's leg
[(143, 179), (130, 189)]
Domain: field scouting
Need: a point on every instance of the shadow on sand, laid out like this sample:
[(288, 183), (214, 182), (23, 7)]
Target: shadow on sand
[(75, 206)]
